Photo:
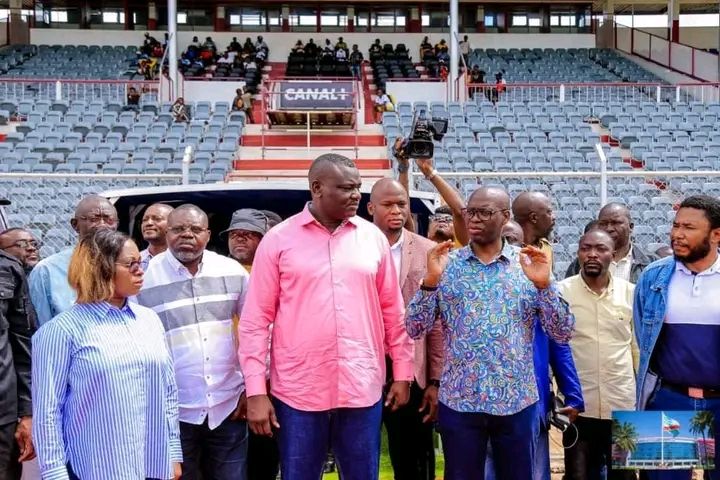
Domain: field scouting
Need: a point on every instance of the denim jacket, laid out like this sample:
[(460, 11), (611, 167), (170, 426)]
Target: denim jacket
[(651, 293)]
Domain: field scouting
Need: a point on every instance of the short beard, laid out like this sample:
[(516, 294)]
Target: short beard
[(187, 257), (592, 274), (696, 254)]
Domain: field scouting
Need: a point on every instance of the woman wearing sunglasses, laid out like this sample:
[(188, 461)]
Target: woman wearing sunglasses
[(104, 394)]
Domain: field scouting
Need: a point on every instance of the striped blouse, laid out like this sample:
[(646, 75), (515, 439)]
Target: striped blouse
[(104, 395)]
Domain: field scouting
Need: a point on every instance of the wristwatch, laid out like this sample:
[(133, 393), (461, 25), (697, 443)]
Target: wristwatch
[(433, 383)]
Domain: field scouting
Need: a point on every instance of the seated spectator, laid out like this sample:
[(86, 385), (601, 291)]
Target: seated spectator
[(382, 104), (425, 47), (248, 46), (356, 60), (234, 45), (225, 58), (132, 100), (261, 56), (476, 76), (237, 103), (441, 47), (443, 56), (195, 43), (209, 44), (157, 51), (376, 47), (299, 47), (443, 70), (341, 45), (250, 64), (311, 48), (148, 44), (260, 44), (328, 51), (179, 111), (341, 55)]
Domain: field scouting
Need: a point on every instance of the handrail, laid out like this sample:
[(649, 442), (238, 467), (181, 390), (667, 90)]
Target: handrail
[(661, 37)]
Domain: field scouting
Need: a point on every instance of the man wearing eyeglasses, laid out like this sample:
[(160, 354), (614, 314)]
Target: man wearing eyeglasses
[(21, 244), (489, 296), (50, 291), (197, 294)]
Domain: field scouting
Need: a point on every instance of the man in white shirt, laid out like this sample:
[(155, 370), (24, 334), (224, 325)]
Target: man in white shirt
[(154, 231), (198, 295), (605, 355)]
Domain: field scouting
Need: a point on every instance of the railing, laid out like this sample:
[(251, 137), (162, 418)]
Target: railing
[(598, 92), (681, 58), (69, 90)]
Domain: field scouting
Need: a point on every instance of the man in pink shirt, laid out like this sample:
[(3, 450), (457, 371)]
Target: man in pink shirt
[(324, 287)]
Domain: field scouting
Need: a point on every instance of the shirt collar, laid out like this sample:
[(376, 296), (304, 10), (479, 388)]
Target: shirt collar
[(608, 290), (627, 257), (179, 267), (101, 309), (398, 245), (713, 270), (507, 252), (307, 218)]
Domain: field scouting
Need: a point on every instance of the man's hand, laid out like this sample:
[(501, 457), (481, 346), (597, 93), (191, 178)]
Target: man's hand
[(398, 395), (23, 436), (402, 159), (437, 260), (430, 402), (536, 266), (425, 165), (240, 412), (571, 412), (261, 415), (177, 470)]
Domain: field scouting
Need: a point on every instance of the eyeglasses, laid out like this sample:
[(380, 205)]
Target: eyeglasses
[(482, 213), (25, 244), (107, 219), (441, 218), (133, 267), (187, 228)]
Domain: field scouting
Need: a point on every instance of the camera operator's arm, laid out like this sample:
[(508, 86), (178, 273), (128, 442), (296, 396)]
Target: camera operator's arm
[(449, 194), (404, 176)]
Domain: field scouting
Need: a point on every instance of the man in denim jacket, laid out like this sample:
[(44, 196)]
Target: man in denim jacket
[(677, 320)]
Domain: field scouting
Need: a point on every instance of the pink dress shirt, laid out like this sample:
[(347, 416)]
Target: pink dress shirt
[(334, 305)]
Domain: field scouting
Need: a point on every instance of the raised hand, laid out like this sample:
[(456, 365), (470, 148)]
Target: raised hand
[(437, 260), (536, 266)]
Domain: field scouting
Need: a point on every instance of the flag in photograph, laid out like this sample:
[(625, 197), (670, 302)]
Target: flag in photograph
[(670, 425)]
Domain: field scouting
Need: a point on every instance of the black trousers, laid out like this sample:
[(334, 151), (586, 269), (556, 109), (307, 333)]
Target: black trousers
[(593, 449), (263, 457), (410, 441), (10, 468)]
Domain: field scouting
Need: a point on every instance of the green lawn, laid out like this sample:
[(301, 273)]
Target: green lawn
[(386, 472)]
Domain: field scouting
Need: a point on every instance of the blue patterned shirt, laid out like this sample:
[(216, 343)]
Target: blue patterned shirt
[(488, 314), (104, 397)]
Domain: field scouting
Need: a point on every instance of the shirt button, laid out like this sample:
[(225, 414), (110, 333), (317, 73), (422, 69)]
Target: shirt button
[(205, 339)]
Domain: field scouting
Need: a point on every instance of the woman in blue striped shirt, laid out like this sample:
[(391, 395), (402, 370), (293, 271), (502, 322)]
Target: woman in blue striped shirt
[(104, 395)]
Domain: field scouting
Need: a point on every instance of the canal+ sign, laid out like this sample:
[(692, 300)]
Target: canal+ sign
[(316, 95)]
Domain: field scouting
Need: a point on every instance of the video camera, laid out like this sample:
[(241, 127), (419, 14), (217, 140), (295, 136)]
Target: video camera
[(420, 142)]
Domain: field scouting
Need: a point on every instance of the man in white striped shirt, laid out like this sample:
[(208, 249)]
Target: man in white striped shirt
[(198, 294)]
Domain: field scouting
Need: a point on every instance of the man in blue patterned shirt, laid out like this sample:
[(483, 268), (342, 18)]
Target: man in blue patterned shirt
[(489, 295)]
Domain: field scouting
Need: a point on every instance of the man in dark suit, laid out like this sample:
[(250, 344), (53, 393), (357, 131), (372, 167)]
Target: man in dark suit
[(410, 430)]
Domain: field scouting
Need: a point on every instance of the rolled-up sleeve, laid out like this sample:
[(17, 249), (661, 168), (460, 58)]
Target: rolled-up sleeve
[(554, 313), (257, 317), (51, 354)]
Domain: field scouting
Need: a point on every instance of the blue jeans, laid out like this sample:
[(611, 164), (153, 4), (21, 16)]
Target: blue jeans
[(353, 435), (665, 399), (355, 70), (220, 454), (542, 457), (465, 438)]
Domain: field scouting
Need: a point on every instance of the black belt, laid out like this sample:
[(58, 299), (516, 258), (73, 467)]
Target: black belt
[(692, 392)]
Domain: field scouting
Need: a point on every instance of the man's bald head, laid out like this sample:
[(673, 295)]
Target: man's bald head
[(389, 207), (513, 233), (187, 209), (615, 219), (615, 207), (534, 212), (494, 195), (335, 188), (327, 163), (487, 212), (93, 212)]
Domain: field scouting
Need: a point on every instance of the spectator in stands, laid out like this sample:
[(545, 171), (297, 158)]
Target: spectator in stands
[(677, 319), (499, 89), (477, 77), (342, 407), (328, 50), (199, 295), (21, 244), (441, 46), (341, 45), (250, 64), (425, 47), (443, 68), (465, 49), (17, 318), (49, 289), (512, 232), (376, 47), (248, 46), (225, 58), (209, 44), (356, 60), (382, 104), (247, 99), (260, 44), (341, 55), (534, 212), (410, 428), (180, 111), (663, 251), (154, 231), (299, 47), (504, 398), (148, 44), (132, 100), (629, 259), (602, 306), (85, 388), (237, 103), (234, 45), (311, 48)]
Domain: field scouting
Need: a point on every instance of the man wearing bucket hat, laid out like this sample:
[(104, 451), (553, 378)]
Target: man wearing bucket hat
[(247, 227)]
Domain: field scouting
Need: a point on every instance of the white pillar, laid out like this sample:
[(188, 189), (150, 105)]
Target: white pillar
[(172, 49), (454, 49)]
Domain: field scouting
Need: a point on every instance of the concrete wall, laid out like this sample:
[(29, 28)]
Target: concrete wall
[(281, 43), (698, 37)]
